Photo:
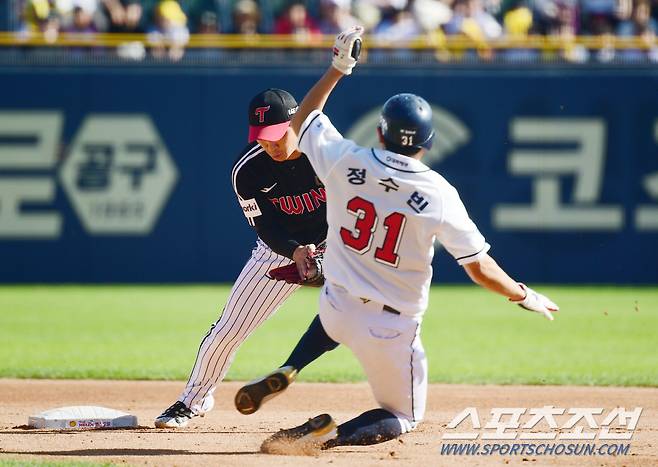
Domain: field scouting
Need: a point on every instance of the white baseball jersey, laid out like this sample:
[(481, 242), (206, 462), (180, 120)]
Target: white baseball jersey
[(384, 212)]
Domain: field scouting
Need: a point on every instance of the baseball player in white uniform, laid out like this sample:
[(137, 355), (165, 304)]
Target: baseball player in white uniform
[(385, 208)]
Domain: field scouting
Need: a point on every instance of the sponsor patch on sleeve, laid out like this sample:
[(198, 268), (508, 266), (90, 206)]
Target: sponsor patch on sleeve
[(250, 208)]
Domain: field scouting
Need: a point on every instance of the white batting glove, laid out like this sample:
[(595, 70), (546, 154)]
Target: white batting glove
[(536, 302), (347, 49)]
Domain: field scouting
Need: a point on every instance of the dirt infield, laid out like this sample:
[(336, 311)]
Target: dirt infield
[(226, 438)]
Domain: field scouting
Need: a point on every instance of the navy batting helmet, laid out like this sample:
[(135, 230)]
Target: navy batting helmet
[(406, 124)]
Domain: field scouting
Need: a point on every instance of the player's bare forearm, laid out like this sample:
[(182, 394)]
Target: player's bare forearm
[(489, 275), (316, 98)]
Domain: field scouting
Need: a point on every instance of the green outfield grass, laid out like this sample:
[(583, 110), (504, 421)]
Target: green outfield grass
[(602, 336)]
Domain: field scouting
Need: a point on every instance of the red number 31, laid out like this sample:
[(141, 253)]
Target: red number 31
[(359, 240)]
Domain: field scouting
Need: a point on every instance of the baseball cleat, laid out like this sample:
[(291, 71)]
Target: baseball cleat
[(304, 439), (251, 396), (175, 416)]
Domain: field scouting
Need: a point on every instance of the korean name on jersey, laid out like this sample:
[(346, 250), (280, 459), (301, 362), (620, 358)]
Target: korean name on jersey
[(384, 211)]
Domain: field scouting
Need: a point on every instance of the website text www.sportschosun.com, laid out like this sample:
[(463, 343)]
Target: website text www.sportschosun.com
[(529, 449)]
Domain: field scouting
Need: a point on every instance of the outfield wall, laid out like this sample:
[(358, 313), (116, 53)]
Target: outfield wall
[(122, 174)]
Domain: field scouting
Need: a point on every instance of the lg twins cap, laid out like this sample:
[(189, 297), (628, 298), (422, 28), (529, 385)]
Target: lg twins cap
[(270, 113), (384, 212)]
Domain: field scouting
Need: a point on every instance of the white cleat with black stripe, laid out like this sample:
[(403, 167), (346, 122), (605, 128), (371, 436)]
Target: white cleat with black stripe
[(176, 416)]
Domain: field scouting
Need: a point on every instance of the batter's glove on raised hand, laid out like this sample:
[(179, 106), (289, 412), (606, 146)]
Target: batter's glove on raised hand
[(536, 302), (347, 49), (290, 273)]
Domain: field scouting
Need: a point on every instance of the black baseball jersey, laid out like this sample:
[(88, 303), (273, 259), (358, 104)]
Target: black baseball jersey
[(284, 201)]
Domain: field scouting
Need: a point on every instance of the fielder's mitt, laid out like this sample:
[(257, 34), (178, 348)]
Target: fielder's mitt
[(290, 275)]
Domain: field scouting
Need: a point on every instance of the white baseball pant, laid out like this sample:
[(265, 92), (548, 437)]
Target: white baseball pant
[(388, 347), (253, 299)]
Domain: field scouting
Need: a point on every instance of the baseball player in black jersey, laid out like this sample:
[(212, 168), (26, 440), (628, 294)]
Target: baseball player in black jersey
[(285, 202)]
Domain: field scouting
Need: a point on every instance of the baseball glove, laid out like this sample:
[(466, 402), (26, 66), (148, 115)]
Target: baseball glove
[(290, 274)]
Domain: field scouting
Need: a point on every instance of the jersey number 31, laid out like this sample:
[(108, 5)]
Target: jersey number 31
[(359, 240)]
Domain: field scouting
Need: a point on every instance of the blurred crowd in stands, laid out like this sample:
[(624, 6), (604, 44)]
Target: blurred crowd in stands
[(172, 21)]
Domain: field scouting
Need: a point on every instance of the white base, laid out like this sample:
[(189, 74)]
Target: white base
[(82, 417)]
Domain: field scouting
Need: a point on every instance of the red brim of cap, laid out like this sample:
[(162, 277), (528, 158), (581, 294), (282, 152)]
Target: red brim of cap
[(268, 133)]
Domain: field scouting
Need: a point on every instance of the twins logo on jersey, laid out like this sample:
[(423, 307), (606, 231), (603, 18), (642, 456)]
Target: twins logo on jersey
[(298, 204)]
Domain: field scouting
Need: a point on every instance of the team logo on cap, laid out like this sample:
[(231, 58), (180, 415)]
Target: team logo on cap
[(260, 111)]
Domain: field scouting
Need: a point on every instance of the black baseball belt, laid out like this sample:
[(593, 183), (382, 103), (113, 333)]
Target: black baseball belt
[(387, 308), (390, 310)]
